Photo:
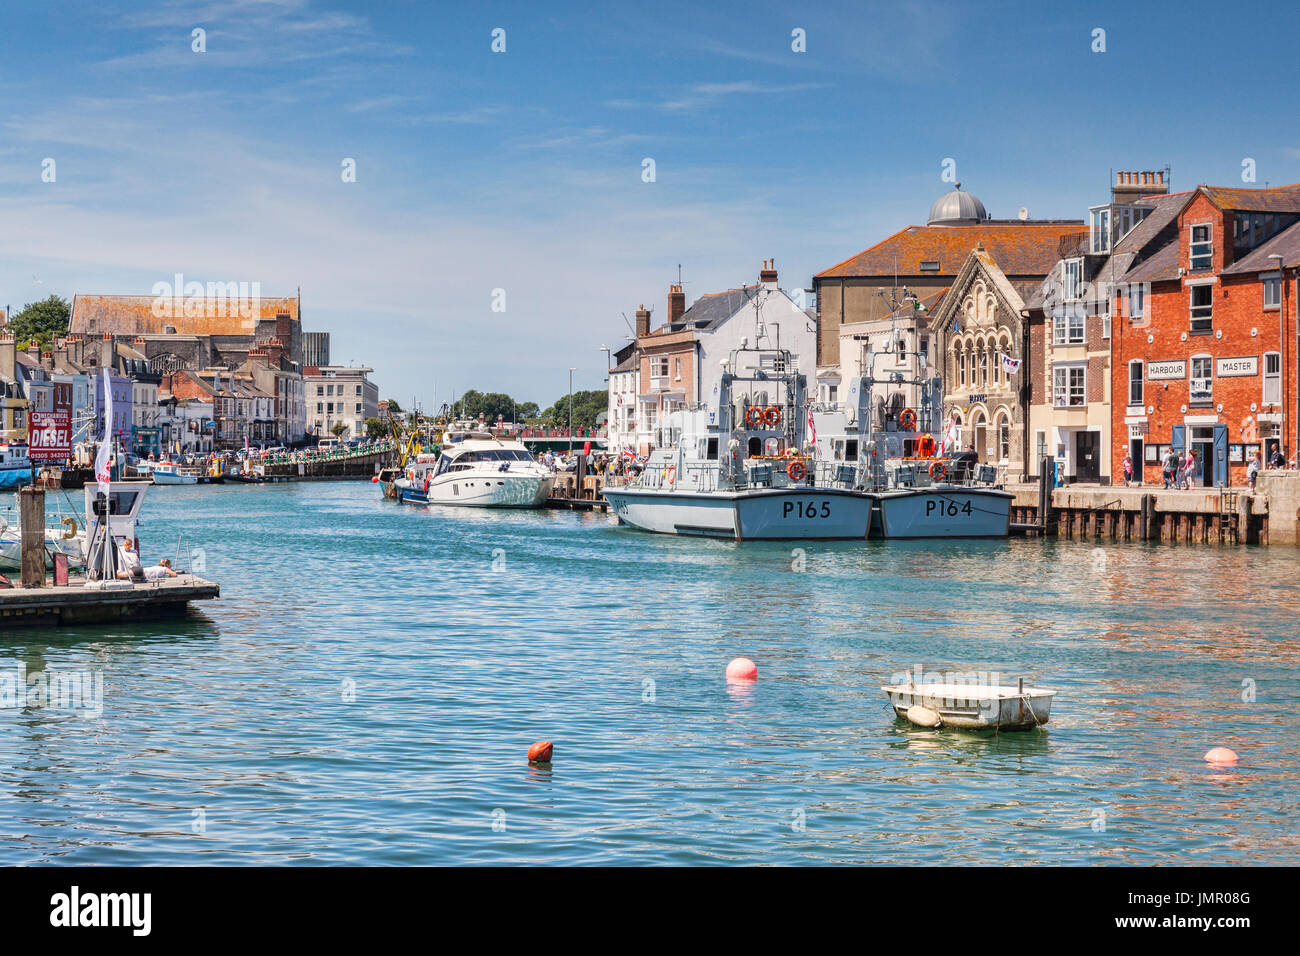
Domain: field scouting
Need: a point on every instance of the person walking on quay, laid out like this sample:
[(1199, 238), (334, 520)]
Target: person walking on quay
[(1275, 459), (1128, 470), (1167, 469), (1252, 470), (1189, 470)]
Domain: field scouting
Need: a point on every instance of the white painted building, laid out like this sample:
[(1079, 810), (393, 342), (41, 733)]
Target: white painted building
[(622, 422)]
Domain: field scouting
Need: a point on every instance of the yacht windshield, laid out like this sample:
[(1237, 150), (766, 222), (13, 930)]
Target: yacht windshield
[(493, 454)]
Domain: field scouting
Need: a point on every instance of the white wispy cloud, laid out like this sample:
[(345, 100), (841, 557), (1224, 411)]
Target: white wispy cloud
[(708, 95)]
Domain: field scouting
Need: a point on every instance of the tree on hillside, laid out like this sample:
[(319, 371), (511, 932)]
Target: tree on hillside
[(43, 321), (586, 406), (375, 428), (393, 406)]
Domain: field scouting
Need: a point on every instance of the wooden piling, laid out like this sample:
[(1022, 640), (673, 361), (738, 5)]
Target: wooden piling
[(31, 514)]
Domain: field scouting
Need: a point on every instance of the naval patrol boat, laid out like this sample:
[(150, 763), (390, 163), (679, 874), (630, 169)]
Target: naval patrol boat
[(745, 466)]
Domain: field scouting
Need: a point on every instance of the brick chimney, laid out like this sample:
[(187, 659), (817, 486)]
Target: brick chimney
[(642, 321), (767, 276), (47, 359), (8, 356), (106, 351), (676, 303), (34, 351), (1131, 186), (76, 349)]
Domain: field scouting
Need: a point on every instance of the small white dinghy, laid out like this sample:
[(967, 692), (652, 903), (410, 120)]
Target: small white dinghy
[(971, 706)]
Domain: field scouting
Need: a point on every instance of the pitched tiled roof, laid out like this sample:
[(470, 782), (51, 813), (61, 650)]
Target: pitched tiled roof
[(1020, 248), (715, 307), (1158, 267), (1277, 199), (1167, 209), (1286, 244), (134, 315)]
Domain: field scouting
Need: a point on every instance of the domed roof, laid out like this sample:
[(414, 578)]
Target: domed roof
[(956, 206)]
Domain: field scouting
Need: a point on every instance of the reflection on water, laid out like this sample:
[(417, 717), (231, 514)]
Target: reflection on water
[(367, 688)]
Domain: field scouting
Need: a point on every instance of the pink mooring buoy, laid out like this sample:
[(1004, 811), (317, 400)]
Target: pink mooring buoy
[(742, 668), (1222, 755)]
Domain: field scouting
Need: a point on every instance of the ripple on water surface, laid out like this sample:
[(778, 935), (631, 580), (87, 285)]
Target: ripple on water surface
[(367, 687)]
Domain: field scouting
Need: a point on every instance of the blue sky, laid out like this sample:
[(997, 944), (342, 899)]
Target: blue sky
[(522, 170)]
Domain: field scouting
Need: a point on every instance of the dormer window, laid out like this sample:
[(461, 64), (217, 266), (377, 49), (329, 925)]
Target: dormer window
[(1202, 248), (1071, 280), (929, 265)]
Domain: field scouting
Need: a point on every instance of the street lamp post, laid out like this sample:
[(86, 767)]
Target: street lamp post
[(1282, 354), (571, 371)]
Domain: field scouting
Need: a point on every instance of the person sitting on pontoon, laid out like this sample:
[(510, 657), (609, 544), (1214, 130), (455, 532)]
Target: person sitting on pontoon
[(131, 569)]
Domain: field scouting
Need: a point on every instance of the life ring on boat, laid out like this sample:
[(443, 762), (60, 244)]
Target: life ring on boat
[(772, 416), (925, 446), (907, 420), (754, 417), (938, 471), (672, 474), (796, 470)]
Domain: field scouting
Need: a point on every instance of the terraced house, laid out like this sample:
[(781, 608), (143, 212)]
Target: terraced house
[(1070, 329), (1204, 351)]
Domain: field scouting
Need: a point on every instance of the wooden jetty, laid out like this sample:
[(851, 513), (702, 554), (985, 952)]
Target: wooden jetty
[(1144, 513), (578, 492), (74, 603)]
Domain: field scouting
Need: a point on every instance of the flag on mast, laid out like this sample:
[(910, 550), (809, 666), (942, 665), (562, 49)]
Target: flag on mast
[(812, 427), (949, 436), (103, 465)]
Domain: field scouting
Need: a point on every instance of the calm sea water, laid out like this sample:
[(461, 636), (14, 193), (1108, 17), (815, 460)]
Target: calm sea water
[(367, 687)]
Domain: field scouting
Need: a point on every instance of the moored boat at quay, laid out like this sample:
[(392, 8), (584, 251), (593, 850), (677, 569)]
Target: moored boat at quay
[(924, 486), (740, 469), (474, 469), (793, 470)]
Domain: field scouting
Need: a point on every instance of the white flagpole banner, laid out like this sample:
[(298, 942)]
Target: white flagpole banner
[(1009, 365), (103, 468)]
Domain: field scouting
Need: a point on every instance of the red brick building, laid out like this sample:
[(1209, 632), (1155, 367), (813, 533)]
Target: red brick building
[(1204, 347)]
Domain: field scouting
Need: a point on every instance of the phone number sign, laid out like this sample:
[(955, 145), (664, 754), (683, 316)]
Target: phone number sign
[(49, 436)]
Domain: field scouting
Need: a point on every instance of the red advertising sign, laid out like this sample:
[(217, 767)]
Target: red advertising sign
[(49, 436)]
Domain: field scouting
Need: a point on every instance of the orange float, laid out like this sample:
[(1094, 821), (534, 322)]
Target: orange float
[(907, 420), (796, 470)]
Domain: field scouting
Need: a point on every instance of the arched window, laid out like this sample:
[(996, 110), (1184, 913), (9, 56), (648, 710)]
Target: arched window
[(961, 367), (984, 368), (1004, 438)]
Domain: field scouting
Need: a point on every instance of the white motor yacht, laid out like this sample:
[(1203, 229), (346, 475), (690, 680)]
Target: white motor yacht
[(476, 470)]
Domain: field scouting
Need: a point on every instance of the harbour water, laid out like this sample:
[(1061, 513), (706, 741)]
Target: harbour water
[(368, 685)]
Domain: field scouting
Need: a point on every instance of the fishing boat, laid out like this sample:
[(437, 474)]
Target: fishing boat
[(15, 466), (742, 468), (173, 473), (475, 470), (966, 706)]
